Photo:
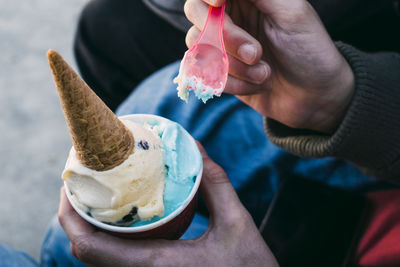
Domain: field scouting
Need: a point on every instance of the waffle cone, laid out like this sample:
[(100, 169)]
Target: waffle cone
[(100, 139)]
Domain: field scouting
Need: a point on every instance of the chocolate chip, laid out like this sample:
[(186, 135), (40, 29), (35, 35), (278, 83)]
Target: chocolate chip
[(133, 211), (143, 144), (89, 212), (126, 218), (129, 216)]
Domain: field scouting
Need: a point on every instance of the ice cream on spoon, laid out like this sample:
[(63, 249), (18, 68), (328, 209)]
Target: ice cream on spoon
[(204, 67), (115, 170)]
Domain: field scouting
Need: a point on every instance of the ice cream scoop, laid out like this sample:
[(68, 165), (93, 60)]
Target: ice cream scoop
[(115, 170), (132, 191), (204, 67)]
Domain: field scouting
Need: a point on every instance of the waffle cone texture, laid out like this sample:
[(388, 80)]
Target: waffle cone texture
[(100, 139)]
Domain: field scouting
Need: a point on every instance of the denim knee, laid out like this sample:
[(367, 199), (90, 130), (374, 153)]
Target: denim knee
[(56, 248), (14, 258)]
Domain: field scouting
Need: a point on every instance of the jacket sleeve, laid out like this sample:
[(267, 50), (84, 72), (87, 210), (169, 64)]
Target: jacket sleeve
[(369, 135)]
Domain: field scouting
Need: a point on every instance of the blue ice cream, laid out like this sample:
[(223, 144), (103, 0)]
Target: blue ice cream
[(182, 160)]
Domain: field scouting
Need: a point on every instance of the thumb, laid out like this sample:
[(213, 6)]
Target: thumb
[(219, 195)]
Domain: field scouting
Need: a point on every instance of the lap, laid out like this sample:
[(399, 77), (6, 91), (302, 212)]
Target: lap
[(233, 136)]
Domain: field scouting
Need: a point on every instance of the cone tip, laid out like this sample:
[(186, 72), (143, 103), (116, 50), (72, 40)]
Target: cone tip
[(52, 55)]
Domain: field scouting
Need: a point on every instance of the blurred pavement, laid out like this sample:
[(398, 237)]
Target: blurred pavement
[(34, 139)]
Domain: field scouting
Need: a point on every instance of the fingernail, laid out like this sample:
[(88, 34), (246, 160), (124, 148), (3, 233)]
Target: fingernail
[(258, 73), (247, 52)]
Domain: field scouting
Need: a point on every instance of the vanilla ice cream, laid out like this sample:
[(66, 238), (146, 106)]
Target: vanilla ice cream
[(128, 192), (204, 71)]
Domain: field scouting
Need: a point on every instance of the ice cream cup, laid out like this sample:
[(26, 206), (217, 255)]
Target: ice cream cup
[(170, 227)]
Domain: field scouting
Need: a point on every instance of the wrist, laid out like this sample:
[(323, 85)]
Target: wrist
[(334, 104)]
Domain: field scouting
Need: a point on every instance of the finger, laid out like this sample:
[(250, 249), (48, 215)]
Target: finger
[(72, 223), (238, 42), (191, 36), (239, 87), (243, 79), (78, 231), (218, 193), (101, 249), (256, 74)]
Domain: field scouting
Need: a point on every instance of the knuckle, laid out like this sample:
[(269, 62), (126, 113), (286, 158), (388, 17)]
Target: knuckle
[(81, 248), (188, 9), (191, 36), (214, 2), (234, 218), (297, 13), (61, 219), (238, 221), (241, 87), (188, 41), (215, 173), (300, 9), (259, 53)]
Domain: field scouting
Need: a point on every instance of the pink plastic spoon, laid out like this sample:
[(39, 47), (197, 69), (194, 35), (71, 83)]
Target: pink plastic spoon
[(204, 67)]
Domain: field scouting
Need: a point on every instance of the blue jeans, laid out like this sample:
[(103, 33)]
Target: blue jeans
[(14, 258), (233, 136), (55, 249)]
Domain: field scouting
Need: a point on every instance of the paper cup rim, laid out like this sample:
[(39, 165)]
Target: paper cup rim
[(150, 226)]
